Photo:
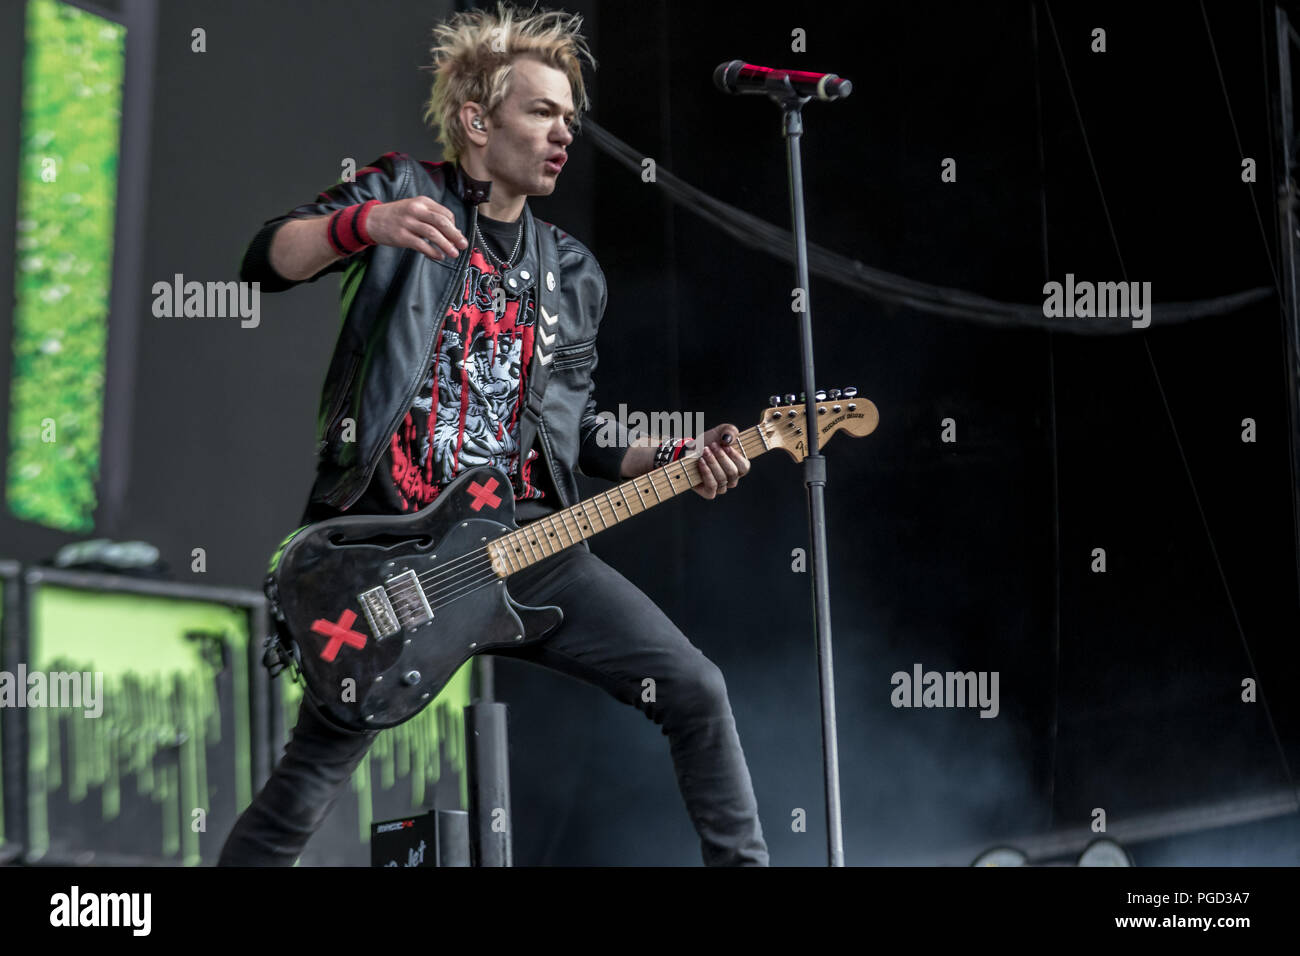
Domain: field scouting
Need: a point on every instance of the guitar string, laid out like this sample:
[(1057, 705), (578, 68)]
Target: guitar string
[(461, 586), (458, 570), (427, 578), (580, 510), (456, 566), (464, 575), (465, 583)]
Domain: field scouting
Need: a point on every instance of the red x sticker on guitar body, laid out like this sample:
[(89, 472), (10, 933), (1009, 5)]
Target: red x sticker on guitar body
[(482, 494), (338, 634)]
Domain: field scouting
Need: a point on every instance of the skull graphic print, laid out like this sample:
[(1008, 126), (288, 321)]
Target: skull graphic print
[(466, 412)]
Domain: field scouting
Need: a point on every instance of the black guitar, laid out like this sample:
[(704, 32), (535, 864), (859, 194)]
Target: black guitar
[(378, 612)]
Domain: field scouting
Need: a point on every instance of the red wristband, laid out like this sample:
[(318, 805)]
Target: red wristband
[(362, 215), (347, 229)]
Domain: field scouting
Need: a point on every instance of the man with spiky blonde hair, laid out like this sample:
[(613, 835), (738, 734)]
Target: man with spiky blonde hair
[(460, 311)]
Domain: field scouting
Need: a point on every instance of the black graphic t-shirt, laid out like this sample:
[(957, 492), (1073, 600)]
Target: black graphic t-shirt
[(467, 410)]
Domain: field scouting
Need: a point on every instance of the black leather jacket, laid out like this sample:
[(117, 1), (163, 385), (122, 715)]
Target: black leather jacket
[(394, 303)]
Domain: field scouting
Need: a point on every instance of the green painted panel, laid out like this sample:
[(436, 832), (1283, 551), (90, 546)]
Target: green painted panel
[(67, 193), (159, 691)]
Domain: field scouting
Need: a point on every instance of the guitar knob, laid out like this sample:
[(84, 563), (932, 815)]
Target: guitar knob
[(850, 392), (789, 398), (833, 394), (774, 400), (821, 394)]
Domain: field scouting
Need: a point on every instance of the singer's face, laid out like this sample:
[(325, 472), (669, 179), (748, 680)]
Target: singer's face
[(528, 133)]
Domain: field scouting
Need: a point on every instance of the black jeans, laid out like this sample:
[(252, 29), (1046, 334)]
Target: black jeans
[(614, 637)]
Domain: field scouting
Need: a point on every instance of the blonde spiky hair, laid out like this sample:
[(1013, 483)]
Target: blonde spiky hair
[(473, 56)]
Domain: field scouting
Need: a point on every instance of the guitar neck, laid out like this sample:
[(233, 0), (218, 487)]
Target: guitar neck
[(563, 529)]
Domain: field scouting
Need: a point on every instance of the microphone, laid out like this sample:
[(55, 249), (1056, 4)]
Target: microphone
[(741, 77)]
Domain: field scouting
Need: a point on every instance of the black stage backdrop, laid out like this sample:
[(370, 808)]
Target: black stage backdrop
[(1118, 690)]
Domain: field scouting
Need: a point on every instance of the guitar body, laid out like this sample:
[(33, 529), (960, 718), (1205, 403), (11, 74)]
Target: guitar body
[(396, 604)]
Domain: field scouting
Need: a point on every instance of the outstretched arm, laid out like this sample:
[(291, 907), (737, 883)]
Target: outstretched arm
[(303, 247), (310, 240)]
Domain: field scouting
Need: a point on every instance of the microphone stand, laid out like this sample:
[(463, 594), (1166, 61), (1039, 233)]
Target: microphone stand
[(782, 92)]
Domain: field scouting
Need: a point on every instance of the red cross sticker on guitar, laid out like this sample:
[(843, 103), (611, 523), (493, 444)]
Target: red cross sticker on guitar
[(338, 634), (482, 494)]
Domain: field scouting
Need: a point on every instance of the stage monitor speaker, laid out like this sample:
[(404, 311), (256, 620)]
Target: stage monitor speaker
[(143, 717)]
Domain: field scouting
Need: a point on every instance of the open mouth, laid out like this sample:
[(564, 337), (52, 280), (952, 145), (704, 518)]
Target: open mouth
[(555, 163)]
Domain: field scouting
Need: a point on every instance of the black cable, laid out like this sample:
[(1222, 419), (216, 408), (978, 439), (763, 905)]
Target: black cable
[(749, 230)]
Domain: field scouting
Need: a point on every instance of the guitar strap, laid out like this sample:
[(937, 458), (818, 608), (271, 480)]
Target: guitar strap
[(547, 283)]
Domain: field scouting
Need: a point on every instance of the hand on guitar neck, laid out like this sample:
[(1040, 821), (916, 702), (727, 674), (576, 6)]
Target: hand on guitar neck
[(719, 454), (723, 462)]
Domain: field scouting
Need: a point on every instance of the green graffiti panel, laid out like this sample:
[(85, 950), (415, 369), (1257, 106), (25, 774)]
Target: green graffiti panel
[(159, 693)]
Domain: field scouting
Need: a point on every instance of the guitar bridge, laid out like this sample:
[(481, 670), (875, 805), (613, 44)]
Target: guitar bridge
[(379, 612)]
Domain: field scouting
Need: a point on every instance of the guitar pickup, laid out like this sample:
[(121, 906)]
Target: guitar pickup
[(409, 604), (379, 612)]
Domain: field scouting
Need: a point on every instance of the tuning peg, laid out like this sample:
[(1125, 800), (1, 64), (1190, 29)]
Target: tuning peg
[(850, 392), (833, 394), (774, 400), (821, 394), (789, 398)]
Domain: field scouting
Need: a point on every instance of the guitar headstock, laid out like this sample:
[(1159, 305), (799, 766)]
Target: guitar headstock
[(785, 424)]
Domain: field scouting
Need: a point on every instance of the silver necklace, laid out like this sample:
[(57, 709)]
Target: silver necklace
[(503, 264)]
